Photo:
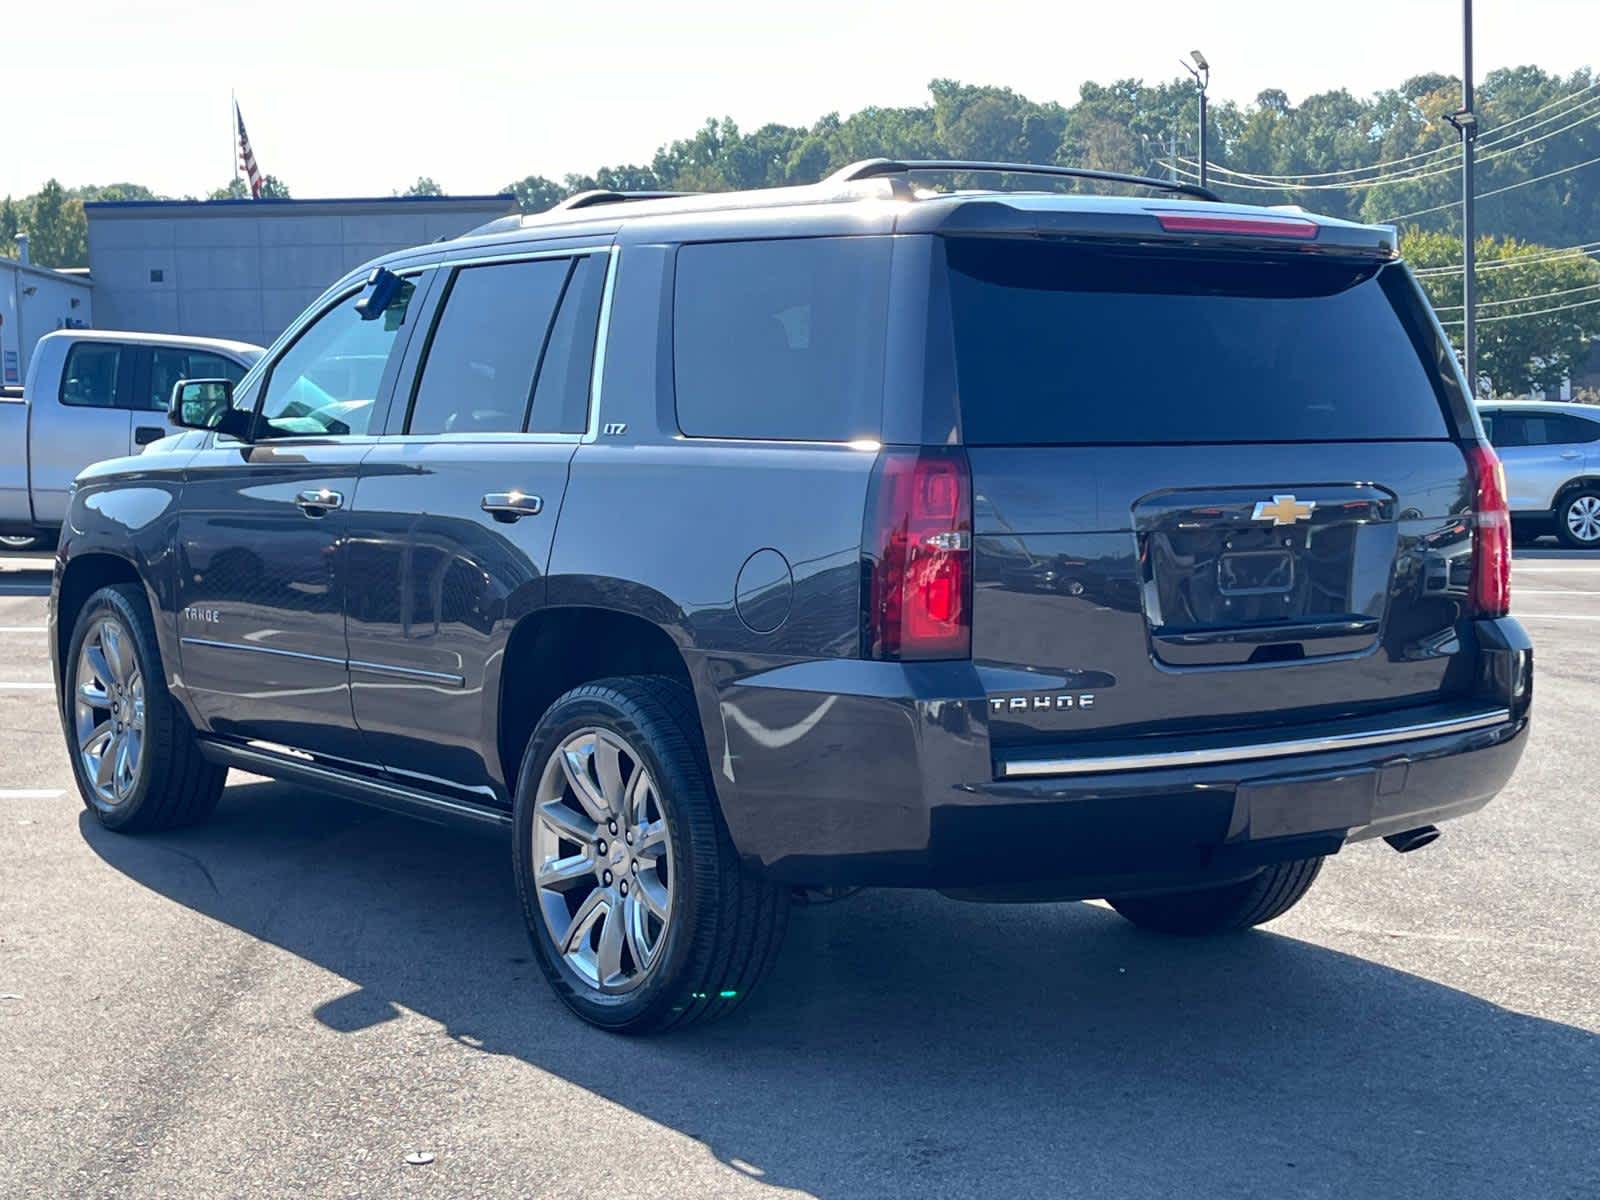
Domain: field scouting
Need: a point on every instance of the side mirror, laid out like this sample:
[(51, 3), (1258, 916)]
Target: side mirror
[(383, 285), (207, 404)]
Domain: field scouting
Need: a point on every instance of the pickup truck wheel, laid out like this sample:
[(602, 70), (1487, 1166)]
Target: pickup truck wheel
[(639, 912), (1578, 519), (1232, 906), (133, 751)]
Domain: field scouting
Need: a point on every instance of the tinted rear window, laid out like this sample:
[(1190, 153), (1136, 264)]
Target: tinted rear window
[(781, 339), (1060, 344)]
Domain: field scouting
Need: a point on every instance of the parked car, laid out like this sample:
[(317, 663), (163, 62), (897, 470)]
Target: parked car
[(1019, 545), (1551, 454), (91, 394)]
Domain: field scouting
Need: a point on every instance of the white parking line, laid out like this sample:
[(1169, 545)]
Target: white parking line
[(26, 687), (1520, 592), (35, 628), (1528, 616), (30, 793)]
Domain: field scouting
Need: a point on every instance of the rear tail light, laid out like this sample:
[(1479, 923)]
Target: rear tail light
[(916, 551), (1254, 226), (1491, 519)]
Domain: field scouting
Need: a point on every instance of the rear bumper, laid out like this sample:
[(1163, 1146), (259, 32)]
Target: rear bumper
[(849, 773)]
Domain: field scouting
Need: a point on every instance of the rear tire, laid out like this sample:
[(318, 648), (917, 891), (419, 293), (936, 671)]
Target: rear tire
[(115, 698), (1578, 519), (1225, 909), (640, 913)]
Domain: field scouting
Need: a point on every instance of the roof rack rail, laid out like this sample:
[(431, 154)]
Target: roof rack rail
[(873, 168), (605, 196)]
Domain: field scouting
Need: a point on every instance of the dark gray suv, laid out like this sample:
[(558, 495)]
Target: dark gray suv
[(725, 549)]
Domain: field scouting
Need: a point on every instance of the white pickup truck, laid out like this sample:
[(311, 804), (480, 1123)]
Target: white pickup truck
[(92, 394)]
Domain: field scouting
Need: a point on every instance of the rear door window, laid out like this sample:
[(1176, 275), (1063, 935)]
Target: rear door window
[(1077, 345), (169, 364), (781, 339), (561, 397), (483, 356), (89, 379)]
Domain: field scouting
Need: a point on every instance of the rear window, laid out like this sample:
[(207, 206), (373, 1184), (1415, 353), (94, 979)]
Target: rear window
[(89, 379), (1059, 344), (781, 339)]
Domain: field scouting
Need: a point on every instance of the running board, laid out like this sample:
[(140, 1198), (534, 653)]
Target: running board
[(380, 793)]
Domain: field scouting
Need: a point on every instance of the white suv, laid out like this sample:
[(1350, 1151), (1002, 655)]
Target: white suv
[(1552, 457)]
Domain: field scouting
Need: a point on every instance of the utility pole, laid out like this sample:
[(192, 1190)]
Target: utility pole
[(1202, 80), (1466, 122)]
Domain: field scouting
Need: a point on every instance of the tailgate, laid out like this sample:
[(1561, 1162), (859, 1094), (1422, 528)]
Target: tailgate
[(1203, 588)]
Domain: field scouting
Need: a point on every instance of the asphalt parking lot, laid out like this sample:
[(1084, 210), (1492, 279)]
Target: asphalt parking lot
[(294, 998)]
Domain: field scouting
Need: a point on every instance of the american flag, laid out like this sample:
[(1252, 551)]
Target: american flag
[(247, 156)]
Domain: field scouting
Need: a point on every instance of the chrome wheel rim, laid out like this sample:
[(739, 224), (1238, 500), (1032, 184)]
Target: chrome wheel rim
[(602, 861), (1583, 518), (108, 711), (12, 542)]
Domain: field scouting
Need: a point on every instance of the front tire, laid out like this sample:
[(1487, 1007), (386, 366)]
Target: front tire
[(1225, 909), (640, 914), (1578, 519), (134, 754)]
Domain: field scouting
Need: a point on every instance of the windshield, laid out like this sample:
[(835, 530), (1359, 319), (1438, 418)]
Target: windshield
[(1072, 344)]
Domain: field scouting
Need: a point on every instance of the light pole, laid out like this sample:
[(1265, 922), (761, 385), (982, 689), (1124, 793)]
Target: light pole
[(1202, 80)]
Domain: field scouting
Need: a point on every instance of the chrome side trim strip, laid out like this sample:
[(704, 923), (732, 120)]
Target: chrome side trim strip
[(408, 672), (1028, 768), (350, 664), (601, 333), (215, 645)]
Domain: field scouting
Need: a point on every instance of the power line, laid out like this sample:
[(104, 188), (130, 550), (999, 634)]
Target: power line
[(1373, 183), (1421, 212), (1518, 316), (1574, 253), (1588, 287), (1503, 133)]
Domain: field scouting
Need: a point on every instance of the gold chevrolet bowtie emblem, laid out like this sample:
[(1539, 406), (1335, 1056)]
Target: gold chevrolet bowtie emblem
[(1284, 510)]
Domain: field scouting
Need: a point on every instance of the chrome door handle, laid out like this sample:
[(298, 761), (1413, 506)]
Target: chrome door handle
[(1571, 454), (511, 506), (316, 502)]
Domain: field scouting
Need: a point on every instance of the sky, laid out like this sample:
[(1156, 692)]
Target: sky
[(354, 98)]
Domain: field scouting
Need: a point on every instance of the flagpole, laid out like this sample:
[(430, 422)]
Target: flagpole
[(233, 136)]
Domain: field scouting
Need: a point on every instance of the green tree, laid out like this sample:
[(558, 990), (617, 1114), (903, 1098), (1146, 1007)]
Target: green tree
[(535, 193), (272, 188), (58, 235), (424, 186), (1535, 325), (10, 226)]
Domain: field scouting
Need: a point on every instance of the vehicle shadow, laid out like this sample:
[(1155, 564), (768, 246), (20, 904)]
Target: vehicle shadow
[(906, 1044), (24, 577)]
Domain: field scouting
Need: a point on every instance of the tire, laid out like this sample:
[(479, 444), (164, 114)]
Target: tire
[(168, 783), (1578, 518), (722, 928), (1224, 909)]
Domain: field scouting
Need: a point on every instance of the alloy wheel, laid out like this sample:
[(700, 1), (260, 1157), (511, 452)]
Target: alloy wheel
[(108, 711), (602, 860), (1583, 518)]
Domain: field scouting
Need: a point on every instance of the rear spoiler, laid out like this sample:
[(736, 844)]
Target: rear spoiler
[(1154, 222)]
